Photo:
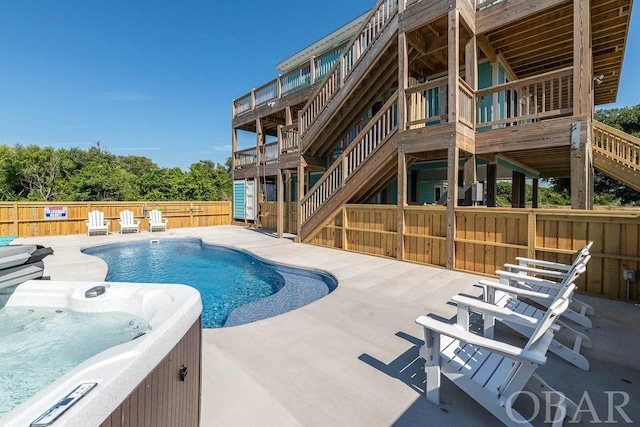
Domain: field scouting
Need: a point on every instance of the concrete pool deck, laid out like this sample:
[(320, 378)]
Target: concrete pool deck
[(350, 359)]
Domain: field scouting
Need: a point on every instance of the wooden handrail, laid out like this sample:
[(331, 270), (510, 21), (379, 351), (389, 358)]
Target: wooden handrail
[(617, 132), (338, 73), (526, 81), (372, 122), (344, 167), (427, 85), (617, 145), (252, 150)]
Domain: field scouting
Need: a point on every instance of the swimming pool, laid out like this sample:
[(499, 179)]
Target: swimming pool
[(235, 287)]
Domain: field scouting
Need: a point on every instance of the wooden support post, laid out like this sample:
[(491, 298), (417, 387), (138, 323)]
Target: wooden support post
[(259, 146), (535, 193), (581, 166), (289, 202), (234, 148), (403, 80), (402, 202), (471, 63), (582, 60), (312, 64), (581, 150), (300, 195), (280, 210), (471, 72), (288, 117), (280, 86), (470, 176), (452, 203), (517, 190), (492, 185), (454, 63)]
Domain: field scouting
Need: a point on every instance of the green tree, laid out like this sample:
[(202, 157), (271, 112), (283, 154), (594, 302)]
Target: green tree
[(39, 170)]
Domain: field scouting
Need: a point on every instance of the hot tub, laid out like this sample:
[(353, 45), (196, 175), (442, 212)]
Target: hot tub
[(151, 379)]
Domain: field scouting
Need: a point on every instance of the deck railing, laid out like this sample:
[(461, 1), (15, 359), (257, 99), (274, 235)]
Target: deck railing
[(427, 103), (294, 80), (544, 96), (377, 21), (246, 158), (242, 105), (289, 139), (376, 132), (266, 93), (269, 153), (466, 108), (617, 145)]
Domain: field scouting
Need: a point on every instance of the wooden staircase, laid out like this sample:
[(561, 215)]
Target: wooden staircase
[(617, 154), (355, 63), (374, 147)]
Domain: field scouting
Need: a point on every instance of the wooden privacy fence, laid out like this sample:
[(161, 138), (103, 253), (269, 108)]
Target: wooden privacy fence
[(27, 219), (485, 239), (269, 216)]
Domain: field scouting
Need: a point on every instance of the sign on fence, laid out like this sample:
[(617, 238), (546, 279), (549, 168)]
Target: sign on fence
[(55, 212)]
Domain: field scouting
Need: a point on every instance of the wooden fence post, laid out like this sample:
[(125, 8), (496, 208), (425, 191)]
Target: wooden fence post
[(191, 214), (345, 222), (531, 229), (16, 231)]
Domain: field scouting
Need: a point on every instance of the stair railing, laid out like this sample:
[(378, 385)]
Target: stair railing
[(379, 128), (371, 28), (616, 145)]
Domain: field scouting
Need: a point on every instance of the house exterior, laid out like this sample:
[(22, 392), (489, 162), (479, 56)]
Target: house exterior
[(431, 102)]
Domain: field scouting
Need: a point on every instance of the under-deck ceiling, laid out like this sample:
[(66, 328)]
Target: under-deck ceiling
[(544, 42), (271, 121)]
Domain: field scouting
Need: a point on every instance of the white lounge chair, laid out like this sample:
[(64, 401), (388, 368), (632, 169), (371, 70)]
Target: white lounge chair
[(551, 271), (96, 223), (503, 303), (494, 373), (156, 221), (128, 222), (578, 310)]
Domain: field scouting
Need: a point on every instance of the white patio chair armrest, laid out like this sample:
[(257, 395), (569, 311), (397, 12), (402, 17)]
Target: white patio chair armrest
[(514, 268), (516, 277), (86, 221), (546, 264), (500, 313), (513, 352), (515, 290), (107, 221)]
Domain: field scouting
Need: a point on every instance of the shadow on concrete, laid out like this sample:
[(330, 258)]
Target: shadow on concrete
[(456, 408)]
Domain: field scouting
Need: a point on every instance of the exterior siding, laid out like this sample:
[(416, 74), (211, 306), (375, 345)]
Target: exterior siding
[(163, 399)]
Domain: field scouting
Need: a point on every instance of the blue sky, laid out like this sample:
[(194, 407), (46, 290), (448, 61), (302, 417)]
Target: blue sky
[(156, 78)]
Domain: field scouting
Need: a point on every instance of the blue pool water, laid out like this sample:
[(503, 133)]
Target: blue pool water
[(236, 287)]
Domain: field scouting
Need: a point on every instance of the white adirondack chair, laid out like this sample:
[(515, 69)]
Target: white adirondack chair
[(578, 310), (96, 223), (503, 303), (491, 372), (156, 221), (128, 222), (551, 271)]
